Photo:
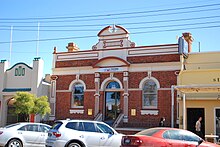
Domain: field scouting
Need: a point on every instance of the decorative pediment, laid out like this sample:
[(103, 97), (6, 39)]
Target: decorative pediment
[(113, 37), (111, 62)]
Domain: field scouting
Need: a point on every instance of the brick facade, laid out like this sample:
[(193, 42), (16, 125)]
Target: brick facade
[(129, 67)]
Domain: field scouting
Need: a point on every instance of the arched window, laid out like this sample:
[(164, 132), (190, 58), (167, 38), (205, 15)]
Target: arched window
[(77, 96), (113, 85), (149, 92)]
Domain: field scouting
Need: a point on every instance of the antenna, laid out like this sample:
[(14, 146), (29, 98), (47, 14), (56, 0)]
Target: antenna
[(38, 36), (10, 43)]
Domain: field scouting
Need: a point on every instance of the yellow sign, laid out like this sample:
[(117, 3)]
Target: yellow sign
[(133, 112), (89, 111)]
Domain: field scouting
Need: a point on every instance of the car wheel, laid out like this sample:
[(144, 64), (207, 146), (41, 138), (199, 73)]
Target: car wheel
[(74, 144), (15, 143)]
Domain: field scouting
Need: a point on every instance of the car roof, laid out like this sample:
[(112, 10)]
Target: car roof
[(78, 120)]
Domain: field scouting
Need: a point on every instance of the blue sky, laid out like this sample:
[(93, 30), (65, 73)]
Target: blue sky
[(150, 22)]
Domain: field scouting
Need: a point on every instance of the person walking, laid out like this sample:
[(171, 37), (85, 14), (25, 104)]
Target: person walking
[(198, 127), (162, 121)]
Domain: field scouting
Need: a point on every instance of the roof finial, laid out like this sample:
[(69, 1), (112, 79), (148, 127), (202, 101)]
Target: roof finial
[(113, 28)]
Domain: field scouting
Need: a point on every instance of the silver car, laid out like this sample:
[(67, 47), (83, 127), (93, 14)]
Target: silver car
[(24, 135), (82, 133)]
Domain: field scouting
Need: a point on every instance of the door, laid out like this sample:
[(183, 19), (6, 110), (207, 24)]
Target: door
[(108, 138), (193, 115), (217, 121), (112, 106), (90, 134), (31, 135)]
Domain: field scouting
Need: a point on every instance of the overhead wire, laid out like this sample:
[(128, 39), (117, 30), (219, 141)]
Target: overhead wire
[(126, 23), (91, 36), (129, 28), (123, 23), (81, 18)]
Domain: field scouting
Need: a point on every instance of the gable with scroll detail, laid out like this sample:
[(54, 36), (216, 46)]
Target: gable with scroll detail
[(111, 62), (113, 37)]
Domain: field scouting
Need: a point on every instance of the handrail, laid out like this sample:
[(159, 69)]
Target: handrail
[(98, 117), (118, 120)]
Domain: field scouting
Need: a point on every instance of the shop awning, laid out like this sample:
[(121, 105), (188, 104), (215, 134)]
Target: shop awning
[(198, 88)]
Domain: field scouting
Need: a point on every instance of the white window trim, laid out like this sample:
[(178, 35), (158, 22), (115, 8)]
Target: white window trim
[(77, 81), (70, 88), (147, 78), (141, 87), (109, 79)]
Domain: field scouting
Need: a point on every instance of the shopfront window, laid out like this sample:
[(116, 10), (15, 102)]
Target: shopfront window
[(77, 96), (149, 96)]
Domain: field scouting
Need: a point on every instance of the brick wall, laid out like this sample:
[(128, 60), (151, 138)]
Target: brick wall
[(154, 59), (75, 63), (165, 78)]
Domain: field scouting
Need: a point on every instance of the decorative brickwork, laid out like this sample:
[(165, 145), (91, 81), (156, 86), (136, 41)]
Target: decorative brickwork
[(75, 63), (154, 59), (127, 68)]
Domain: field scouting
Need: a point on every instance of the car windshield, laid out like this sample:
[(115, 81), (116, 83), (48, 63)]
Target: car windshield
[(12, 125), (148, 132)]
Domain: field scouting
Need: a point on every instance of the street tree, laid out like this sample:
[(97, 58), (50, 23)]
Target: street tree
[(24, 103), (41, 106), (27, 103)]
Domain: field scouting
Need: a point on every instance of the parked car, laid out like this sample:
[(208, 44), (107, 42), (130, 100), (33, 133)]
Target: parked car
[(82, 133), (24, 134), (163, 137)]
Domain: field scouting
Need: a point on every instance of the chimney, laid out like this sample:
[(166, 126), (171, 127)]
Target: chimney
[(189, 39), (72, 47)]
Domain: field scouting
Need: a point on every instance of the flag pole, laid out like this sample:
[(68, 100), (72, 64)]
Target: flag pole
[(38, 36), (11, 43)]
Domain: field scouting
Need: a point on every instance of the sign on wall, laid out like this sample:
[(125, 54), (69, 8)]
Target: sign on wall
[(183, 47)]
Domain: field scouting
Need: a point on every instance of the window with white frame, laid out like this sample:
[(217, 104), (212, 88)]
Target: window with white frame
[(149, 94), (77, 96)]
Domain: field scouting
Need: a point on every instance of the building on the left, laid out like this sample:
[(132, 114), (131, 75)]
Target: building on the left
[(20, 77)]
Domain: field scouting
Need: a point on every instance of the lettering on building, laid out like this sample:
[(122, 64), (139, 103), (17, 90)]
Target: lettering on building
[(216, 79)]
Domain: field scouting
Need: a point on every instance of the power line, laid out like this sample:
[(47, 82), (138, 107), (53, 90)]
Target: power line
[(131, 28), (126, 23), (142, 32), (82, 18)]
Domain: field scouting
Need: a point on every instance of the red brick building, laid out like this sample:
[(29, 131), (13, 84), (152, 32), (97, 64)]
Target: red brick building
[(116, 82)]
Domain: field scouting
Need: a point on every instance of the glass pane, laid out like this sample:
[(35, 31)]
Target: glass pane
[(78, 100), (150, 100), (72, 125), (112, 85), (150, 87), (104, 129), (78, 88), (90, 127)]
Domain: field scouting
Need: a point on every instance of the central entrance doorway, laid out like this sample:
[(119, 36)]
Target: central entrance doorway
[(112, 102), (112, 107)]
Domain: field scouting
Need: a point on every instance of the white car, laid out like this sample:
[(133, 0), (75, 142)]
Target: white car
[(82, 133), (24, 134)]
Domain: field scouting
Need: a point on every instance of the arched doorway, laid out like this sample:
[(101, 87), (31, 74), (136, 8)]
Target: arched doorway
[(11, 116), (112, 102)]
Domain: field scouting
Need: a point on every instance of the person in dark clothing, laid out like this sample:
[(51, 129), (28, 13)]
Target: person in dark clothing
[(198, 128), (162, 122)]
